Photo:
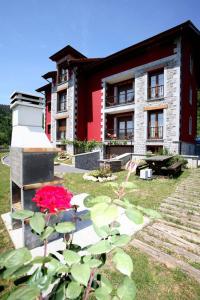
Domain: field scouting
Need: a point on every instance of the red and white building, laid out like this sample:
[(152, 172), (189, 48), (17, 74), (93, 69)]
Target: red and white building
[(141, 98)]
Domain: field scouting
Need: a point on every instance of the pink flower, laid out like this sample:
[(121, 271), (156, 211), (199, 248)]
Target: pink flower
[(53, 199)]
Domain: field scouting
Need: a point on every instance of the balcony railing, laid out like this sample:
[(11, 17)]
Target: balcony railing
[(116, 100), (155, 133), (121, 134), (156, 92)]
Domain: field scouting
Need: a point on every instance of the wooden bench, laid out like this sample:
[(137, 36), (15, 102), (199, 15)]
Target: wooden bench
[(173, 170), (141, 166)]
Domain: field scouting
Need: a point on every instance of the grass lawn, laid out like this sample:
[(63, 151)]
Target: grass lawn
[(154, 281)]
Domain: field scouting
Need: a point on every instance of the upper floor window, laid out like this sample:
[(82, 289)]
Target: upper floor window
[(120, 93), (156, 84), (190, 125), (62, 74), (190, 95), (62, 101), (155, 124), (49, 129)]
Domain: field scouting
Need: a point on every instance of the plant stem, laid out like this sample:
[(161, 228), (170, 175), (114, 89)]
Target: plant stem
[(88, 288), (47, 218)]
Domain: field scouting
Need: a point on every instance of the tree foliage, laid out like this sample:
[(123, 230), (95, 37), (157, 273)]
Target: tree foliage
[(5, 125)]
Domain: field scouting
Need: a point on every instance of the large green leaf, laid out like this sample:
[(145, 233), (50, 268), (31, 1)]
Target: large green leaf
[(22, 214), (128, 185), (102, 294), (94, 263), (106, 284), (103, 231), (134, 215), (47, 232), (16, 258), (127, 289), (123, 263), (25, 293), (73, 290), (71, 257), (100, 247), (16, 272), (81, 273), (91, 201), (120, 240), (65, 227), (37, 222), (60, 292), (103, 214)]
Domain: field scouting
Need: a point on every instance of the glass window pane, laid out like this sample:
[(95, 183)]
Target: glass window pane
[(121, 124), (161, 79), (160, 119), (152, 119), (153, 81)]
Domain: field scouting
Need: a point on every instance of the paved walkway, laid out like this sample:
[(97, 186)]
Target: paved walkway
[(175, 240), (58, 169)]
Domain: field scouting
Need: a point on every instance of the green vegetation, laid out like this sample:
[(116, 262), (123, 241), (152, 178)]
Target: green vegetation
[(154, 281), (5, 125), (83, 146)]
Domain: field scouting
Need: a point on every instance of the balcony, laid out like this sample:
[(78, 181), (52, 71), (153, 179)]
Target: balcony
[(155, 133), (117, 101), (156, 92), (121, 134)]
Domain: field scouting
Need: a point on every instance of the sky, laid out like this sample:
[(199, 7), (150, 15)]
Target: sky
[(33, 30)]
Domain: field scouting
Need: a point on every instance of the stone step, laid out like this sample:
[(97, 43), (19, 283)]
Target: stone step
[(183, 202), (180, 214), (166, 259), (192, 237), (185, 197), (169, 247), (180, 209), (183, 221), (178, 226), (173, 239)]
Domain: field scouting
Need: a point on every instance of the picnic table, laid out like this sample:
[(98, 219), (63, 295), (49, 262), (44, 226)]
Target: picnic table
[(157, 162)]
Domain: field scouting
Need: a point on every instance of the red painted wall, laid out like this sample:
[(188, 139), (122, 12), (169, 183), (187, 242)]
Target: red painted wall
[(93, 86), (187, 80), (47, 113)]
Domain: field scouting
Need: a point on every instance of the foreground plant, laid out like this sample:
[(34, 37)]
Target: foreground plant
[(75, 272)]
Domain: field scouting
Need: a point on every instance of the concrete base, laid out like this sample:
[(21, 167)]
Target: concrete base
[(84, 235)]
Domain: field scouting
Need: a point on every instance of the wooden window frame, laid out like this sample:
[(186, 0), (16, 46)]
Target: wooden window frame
[(157, 134), (155, 73)]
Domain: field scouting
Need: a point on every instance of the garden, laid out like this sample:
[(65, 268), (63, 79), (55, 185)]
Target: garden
[(149, 277)]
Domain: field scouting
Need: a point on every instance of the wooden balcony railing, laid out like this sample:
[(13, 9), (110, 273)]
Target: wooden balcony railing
[(155, 133), (116, 100), (156, 92), (121, 134)]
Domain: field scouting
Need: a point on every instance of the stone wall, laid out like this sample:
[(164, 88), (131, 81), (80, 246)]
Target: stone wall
[(87, 161)]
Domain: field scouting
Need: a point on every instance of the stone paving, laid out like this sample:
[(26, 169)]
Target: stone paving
[(175, 239)]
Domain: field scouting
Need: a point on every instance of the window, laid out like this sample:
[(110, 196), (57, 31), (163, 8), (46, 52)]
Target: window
[(62, 101), (62, 74), (155, 124), (48, 106), (61, 129), (49, 129), (156, 84), (155, 149), (125, 92), (190, 125), (125, 127), (190, 95)]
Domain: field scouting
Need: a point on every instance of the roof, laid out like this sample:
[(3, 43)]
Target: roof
[(50, 74), (44, 88), (65, 51)]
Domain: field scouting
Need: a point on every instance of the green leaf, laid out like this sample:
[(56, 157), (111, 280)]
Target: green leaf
[(53, 266), (60, 292), (102, 294), (71, 257), (16, 258), (85, 216), (134, 215), (81, 273), (40, 260), (100, 247), (47, 232), (120, 240), (90, 201), (17, 272), (65, 227), (73, 290), (24, 293), (127, 289), (123, 263), (151, 213), (103, 214), (22, 214), (94, 263), (103, 231), (106, 284), (128, 185), (37, 222)]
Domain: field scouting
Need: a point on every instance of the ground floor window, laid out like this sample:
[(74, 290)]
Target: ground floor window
[(61, 129), (124, 127), (155, 149), (155, 124)]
